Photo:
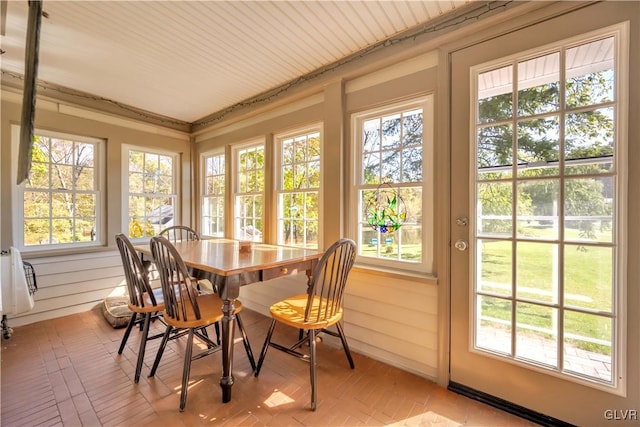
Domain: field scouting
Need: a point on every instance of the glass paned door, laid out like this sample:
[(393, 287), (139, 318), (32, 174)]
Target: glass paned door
[(545, 190)]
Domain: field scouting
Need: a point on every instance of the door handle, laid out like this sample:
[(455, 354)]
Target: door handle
[(461, 245)]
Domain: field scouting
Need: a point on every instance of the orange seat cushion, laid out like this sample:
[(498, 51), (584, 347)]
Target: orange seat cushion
[(148, 306), (210, 312), (291, 311)]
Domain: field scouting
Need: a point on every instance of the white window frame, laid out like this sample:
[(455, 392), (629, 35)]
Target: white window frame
[(99, 185), (425, 265), (175, 194), (280, 139), (205, 215), (237, 229), (621, 117)]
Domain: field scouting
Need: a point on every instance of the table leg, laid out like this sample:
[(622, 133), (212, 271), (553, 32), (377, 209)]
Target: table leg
[(228, 328)]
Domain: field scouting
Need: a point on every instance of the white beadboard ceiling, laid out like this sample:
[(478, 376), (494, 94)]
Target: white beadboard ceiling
[(189, 59)]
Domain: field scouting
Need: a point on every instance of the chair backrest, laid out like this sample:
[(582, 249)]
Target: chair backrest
[(326, 290), (177, 233), (180, 302), (135, 273)]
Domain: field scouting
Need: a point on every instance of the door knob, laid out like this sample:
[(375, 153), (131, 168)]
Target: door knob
[(461, 245)]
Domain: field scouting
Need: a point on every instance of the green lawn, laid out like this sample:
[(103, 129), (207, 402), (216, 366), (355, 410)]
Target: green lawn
[(585, 275)]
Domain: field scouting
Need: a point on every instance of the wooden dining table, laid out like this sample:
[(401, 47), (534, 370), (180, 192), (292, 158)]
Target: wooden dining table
[(232, 264)]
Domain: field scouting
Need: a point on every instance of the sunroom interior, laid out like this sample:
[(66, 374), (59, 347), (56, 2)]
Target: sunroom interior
[(413, 295)]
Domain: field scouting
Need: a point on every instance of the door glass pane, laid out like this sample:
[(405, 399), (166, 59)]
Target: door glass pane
[(539, 85), (588, 142), (537, 271), (536, 333), (538, 147), (589, 209), (588, 277), (494, 209), (587, 345), (494, 326), (495, 95), (590, 73), (538, 209), (494, 269), (495, 151)]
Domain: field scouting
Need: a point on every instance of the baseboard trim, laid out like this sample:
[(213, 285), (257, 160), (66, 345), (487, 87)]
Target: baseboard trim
[(512, 408)]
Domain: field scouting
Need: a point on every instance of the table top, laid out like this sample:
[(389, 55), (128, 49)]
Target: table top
[(224, 257)]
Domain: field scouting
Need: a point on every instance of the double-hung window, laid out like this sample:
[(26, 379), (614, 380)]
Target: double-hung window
[(151, 190), (298, 187), (392, 152), (60, 202), (213, 195), (249, 191)]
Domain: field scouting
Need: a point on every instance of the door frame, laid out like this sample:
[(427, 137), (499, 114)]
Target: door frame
[(446, 213)]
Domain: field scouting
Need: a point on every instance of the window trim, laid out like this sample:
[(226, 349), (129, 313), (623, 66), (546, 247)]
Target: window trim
[(126, 148), (100, 184), (426, 102), (278, 139)]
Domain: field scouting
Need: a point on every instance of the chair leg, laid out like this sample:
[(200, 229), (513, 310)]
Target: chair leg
[(245, 341), (125, 337), (204, 332), (143, 344), (312, 367), (186, 371), (163, 344), (345, 345), (216, 326), (265, 347)]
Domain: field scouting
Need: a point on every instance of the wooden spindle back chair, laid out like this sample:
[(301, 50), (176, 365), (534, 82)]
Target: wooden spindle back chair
[(317, 310)]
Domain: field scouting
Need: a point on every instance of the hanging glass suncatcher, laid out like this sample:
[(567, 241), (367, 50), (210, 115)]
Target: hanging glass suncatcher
[(385, 211)]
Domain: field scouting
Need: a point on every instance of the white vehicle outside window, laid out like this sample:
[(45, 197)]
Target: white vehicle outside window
[(150, 196)]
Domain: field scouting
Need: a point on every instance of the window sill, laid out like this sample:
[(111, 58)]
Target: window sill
[(404, 275), (32, 254)]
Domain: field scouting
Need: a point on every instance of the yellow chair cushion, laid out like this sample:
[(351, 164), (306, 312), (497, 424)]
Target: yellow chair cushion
[(210, 306), (210, 312), (290, 311), (148, 306)]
